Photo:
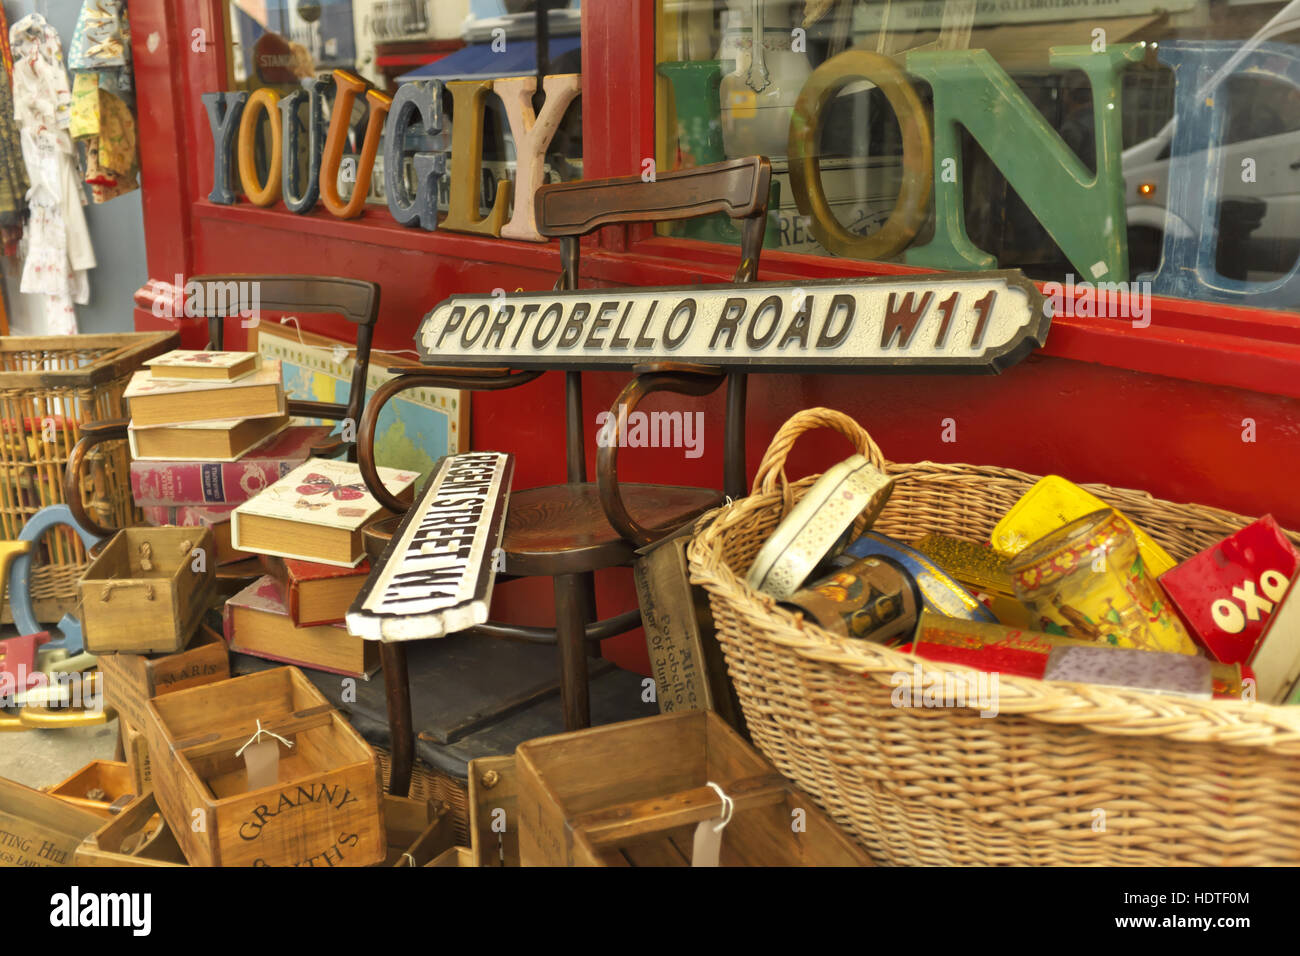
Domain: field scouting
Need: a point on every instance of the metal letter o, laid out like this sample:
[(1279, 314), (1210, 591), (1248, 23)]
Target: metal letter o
[(805, 162)]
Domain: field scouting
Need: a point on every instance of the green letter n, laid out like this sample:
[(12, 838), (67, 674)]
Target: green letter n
[(1084, 214)]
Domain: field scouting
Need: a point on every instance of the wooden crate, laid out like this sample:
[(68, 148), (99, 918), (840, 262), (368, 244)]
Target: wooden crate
[(50, 387), (631, 794), (142, 594), (453, 856), (135, 745), (111, 778), (132, 679), (119, 842), (325, 811), (37, 829), (494, 811), (417, 830)]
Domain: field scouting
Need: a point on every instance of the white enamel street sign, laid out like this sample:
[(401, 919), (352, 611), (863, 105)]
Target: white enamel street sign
[(983, 321), (436, 575)]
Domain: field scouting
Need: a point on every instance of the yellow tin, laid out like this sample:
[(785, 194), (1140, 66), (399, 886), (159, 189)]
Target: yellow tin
[(1052, 502), (1087, 580)]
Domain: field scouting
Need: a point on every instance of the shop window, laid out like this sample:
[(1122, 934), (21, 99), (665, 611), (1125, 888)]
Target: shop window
[(283, 44), (1079, 140)]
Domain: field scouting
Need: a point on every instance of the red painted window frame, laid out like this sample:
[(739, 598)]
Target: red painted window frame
[(1255, 349)]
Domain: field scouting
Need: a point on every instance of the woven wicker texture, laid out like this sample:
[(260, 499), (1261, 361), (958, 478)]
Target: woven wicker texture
[(40, 422), (430, 784), (1063, 774)]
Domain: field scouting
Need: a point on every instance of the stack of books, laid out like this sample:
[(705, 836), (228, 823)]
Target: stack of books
[(307, 529), (209, 430)]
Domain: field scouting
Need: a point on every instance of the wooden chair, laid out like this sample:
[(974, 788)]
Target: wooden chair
[(354, 299), (569, 531)]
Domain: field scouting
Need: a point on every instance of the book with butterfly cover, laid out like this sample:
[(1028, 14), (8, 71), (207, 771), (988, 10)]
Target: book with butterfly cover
[(315, 513)]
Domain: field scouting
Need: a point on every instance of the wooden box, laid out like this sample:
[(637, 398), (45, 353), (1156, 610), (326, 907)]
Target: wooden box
[(417, 830), (132, 679), (101, 786), (325, 810), (494, 811), (136, 748), (632, 794), (138, 836), (37, 829), (453, 856), (143, 593)]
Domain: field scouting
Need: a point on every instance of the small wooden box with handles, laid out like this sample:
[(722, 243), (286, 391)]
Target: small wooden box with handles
[(147, 590)]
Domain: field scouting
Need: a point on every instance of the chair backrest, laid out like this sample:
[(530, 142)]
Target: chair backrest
[(355, 299), (567, 211)]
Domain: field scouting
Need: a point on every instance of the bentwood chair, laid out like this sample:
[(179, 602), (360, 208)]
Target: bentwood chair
[(569, 531), (354, 299)]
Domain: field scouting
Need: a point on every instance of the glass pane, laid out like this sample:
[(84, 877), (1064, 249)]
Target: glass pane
[(282, 44), (1149, 144)]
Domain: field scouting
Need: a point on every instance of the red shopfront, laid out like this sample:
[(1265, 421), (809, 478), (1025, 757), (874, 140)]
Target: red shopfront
[(1166, 408)]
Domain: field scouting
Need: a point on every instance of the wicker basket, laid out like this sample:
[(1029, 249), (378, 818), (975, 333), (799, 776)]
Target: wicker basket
[(1064, 774), (50, 386)]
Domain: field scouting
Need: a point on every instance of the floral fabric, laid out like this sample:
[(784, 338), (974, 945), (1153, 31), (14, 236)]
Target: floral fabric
[(58, 248)]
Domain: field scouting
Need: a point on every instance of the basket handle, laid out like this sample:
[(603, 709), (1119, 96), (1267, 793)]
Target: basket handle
[(771, 470)]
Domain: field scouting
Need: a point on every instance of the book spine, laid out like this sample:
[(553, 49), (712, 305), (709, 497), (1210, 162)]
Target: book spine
[(203, 483), (291, 599)]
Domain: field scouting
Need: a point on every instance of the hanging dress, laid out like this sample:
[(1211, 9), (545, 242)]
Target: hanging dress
[(59, 251)]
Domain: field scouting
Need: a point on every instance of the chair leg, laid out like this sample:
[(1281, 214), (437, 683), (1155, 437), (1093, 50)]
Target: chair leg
[(570, 635), (587, 583), (397, 690)]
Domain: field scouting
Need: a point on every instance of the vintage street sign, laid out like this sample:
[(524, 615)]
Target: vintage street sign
[(982, 322), (436, 575)]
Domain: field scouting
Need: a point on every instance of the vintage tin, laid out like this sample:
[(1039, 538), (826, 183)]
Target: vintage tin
[(873, 599), (1054, 502), (939, 592), (1087, 580), (816, 527), (1181, 675)]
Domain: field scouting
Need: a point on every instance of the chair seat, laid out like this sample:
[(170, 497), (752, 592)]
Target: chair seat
[(562, 529), (559, 529)]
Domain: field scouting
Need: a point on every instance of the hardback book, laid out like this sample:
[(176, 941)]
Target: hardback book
[(315, 513), (216, 518), (258, 623), (155, 401), (316, 593), (182, 483), (203, 441), (190, 365)]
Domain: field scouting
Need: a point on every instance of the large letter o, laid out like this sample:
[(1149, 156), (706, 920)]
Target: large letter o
[(260, 195), (805, 163)]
